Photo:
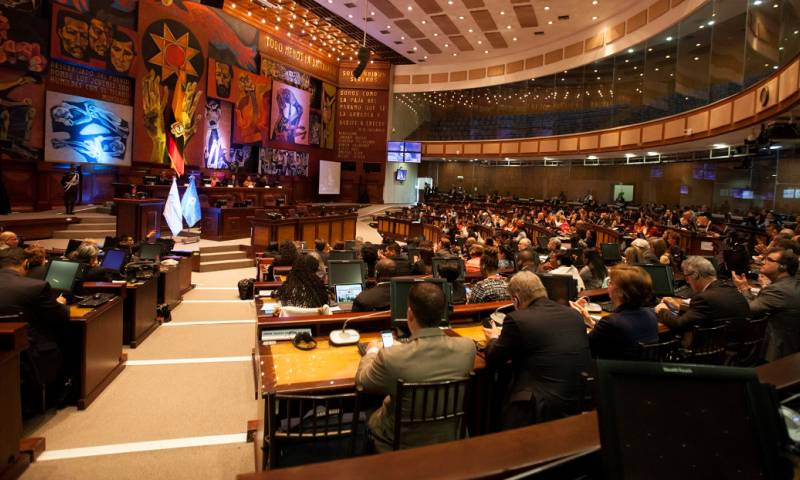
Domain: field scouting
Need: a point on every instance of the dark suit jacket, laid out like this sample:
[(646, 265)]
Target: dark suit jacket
[(720, 301), (617, 336), (781, 301), (373, 299), (402, 264), (548, 349)]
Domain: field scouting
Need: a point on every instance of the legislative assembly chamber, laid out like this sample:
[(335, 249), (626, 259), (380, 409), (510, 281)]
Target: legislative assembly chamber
[(384, 239)]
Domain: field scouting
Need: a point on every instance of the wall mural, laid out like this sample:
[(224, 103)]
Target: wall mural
[(290, 107), (23, 41), (21, 114), (252, 106), (285, 74), (328, 115), (314, 128), (217, 137), (95, 34), (282, 162), (29, 6), (220, 80), (79, 129)]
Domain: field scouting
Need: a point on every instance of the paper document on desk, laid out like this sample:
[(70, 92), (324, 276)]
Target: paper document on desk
[(268, 308), (707, 246)]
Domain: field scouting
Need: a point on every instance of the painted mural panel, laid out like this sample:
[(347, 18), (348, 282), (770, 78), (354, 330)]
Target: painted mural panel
[(290, 118)]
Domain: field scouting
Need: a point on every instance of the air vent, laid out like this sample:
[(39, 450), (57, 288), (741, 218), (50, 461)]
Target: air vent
[(369, 19), (350, 5), (560, 17), (410, 51), (385, 32), (398, 42), (538, 33), (421, 60)]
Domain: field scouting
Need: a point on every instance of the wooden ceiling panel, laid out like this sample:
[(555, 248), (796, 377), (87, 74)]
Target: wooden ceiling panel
[(496, 39), (445, 24), (484, 20), (473, 4), (461, 42), (411, 30), (526, 16), (387, 8), (429, 46), (429, 6)]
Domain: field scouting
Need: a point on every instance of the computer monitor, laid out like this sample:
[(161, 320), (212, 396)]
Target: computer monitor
[(560, 288), (110, 242), (72, 245), (667, 421), (346, 272), (347, 293), (150, 251), (61, 275), (398, 298), (114, 260), (737, 260), (437, 262), (350, 245), (341, 255), (661, 275), (611, 252)]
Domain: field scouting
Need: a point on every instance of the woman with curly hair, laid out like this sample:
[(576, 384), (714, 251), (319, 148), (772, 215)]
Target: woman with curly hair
[(303, 288)]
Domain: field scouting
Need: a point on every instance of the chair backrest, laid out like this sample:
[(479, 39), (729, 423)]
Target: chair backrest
[(750, 351), (659, 351), (432, 412), (281, 270), (311, 420), (708, 344), (754, 333)]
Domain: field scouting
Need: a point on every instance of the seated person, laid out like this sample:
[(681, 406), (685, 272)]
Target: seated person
[(377, 297), (493, 287), (8, 239), (450, 271), (369, 254), (271, 251), (287, 254), (303, 288), (323, 249), (126, 243), (37, 261), (424, 264), (431, 356), (566, 267), (594, 272), (473, 265), (402, 264), (527, 260), (504, 258), (88, 254), (547, 346), (443, 249), (715, 300), (617, 336)]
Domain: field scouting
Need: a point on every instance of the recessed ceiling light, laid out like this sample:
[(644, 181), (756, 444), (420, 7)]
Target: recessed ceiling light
[(508, 27), (710, 22), (594, 18), (455, 54), (514, 39), (424, 22), (372, 13), (349, 15), (486, 51), (402, 38), (667, 56), (546, 7), (549, 22), (652, 154), (480, 42), (630, 50), (669, 39), (388, 26), (502, 12), (409, 8), (696, 58), (757, 2), (470, 30), (461, 17), (435, 34), (594, 2), (446, 45)]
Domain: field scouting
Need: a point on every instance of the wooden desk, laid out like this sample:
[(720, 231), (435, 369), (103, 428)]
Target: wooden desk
[(260, 196), (97, 337), (169, 286), (333, 228), (13, 340), (139, 218), (226, 223), (141, 299)]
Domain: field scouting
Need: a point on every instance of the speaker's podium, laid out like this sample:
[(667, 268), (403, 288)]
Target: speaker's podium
[(139, 218)]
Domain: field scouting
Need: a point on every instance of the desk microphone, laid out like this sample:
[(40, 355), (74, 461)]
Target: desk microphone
[(349, 337)]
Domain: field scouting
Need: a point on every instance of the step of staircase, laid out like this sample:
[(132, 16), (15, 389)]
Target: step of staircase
[(103, 219), (92, 226), (219, 249), (225, 265), (214, 257), (96, 234)]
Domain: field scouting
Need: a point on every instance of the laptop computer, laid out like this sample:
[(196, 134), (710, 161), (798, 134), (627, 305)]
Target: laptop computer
[(346, 295)]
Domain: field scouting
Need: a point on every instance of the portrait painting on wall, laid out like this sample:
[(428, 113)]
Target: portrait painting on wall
[(23, 41), (290, 107), (314, 128), (220, 80), (217, 135), (28, 6), (79, 129), (328, 115), (98, 36), (21, 114), (251, 106)]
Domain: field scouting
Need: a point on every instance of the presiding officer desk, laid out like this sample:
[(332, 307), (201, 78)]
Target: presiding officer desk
[(498, 455)]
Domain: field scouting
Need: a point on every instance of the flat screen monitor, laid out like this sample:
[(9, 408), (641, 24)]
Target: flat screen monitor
[(72, 245), (661, 275), (413, 157), (346, 272), (394, 156), (611, 252), (114, 260), (150, 251), (61, 275), (457, 262), (341, 255), (398, 298), (400, 175), (667, 421), (347, 293), (560, 288), (394, 146)]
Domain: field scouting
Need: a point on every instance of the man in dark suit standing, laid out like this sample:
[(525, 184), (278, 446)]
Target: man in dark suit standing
[(714, 301), (779, 299), (548, 348), (70, 182), (47, 316), (377, 297)]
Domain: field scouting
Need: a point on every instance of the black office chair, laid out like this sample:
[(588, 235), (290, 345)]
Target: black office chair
[(419, 408), (312, 428), (665, 351), (749, 352), (708, 345)]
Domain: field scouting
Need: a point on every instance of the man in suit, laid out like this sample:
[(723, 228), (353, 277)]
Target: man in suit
[(401, 262), (548, 348), (714, 301), (47, 316), (431, 356), (377, 297), (779, 299)]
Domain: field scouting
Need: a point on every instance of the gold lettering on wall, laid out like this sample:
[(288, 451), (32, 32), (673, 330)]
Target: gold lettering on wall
[(375, 76), (362, 119), (280, 49)]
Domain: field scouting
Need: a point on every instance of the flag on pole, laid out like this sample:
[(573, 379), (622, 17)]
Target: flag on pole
[(172, 210), (190, 204)]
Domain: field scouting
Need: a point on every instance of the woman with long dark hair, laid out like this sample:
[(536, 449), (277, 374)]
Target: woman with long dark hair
[(303, 288), (594, 271)]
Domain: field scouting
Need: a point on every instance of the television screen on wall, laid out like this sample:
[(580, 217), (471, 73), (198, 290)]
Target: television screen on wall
[(410, 152), (400, 175)]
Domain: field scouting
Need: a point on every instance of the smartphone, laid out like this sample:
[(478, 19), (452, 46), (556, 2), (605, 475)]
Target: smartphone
[(387, 338)]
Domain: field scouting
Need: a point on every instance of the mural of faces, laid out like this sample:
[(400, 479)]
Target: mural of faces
[(122, 52), (73, 32), (223, 77), (99, 37)]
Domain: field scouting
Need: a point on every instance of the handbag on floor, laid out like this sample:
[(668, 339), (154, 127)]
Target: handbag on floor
[(246, 288)]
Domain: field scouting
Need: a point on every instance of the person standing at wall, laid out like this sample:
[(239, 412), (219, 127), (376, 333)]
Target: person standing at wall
[(70, 182)]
